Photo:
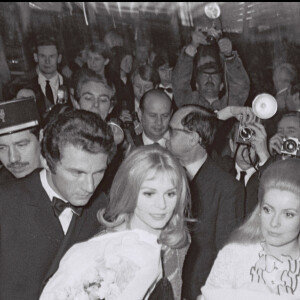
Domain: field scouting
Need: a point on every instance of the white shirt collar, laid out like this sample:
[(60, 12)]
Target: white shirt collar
[(56, 79), (165, 87), (249, 173), (54, 82), (195, 166), (162, 141), (50, 192)]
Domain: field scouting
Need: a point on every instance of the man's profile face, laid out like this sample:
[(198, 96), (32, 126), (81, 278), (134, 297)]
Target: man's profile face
[(47, 58), (95, 97), (77, 174), (141, 86), (178, 143), (156, 116), (209, 83), (20, 152), (289, 127)]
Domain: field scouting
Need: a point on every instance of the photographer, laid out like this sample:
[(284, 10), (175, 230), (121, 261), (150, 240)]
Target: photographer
[(286, 141), (210, 79), (249, 152)]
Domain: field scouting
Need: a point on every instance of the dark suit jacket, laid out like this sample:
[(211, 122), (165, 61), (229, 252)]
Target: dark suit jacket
[(32, 241), (215, 195), (138, 140), (42, 102), (250, 200), (5, 175)]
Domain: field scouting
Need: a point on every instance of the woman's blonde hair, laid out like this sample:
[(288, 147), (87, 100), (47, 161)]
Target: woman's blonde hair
[(283, 175), (140, 163)]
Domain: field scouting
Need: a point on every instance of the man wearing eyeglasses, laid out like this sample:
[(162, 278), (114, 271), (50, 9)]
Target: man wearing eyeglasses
[(209, 78), (215, 193)]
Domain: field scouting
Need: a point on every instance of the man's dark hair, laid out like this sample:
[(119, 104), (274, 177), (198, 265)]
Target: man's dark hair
[(147, 73), (155, 92), (203, 121), (86, 75), (295, 114), (35, 131), (82, 129), (45, 40)]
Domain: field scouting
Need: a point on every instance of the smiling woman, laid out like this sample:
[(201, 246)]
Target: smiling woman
[(269, 240), (148, 199)]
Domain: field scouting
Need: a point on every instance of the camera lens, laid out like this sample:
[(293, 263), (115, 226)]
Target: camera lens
[(210, 39), (289, 146), (246, 133)]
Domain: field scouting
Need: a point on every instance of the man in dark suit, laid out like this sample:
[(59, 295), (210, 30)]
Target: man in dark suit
[(44, 214), (215, 194), (47, 81), (248, 156), (156, 111)]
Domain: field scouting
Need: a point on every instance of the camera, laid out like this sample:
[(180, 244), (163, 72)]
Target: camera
[(290, 146), (213, 36), (244, 135)]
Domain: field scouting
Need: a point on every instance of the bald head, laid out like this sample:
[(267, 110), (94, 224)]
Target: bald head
[(156, 112), (158, 95), (195, 118)]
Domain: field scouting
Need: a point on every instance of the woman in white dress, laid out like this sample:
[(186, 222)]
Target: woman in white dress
[(262, 259), (148, 199)]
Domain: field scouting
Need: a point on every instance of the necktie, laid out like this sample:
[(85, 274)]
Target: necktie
[(58, 207), (49, 93), (242, 177), (242, 180)]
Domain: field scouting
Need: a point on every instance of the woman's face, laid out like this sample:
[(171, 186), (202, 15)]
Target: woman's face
[(96, 62), (280, 220), (156, 201), (126, 64), (141, 86)]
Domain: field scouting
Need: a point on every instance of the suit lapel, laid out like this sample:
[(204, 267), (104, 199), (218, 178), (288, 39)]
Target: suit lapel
[(69, 240), (39, 207)]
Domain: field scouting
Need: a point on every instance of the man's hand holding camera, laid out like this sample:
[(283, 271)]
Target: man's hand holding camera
[(275, 143), (198, 38), (241, 113), (289, 146), (259, 141)]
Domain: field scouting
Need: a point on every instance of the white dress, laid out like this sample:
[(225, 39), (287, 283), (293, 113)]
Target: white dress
[(246, 272), (112, 266)]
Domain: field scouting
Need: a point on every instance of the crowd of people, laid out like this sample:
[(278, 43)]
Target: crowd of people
[(127, 174)]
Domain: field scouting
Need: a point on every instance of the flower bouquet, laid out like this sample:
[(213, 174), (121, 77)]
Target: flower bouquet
[(112, 266)]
